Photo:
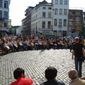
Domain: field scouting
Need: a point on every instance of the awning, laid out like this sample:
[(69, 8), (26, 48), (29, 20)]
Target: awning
[(50, 35), (3, 31)]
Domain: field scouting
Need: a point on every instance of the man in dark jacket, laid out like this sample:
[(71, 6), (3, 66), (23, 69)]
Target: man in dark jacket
[(78, 50), (50, 74)]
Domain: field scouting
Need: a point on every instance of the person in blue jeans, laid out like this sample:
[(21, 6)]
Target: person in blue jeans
[(78, 51)]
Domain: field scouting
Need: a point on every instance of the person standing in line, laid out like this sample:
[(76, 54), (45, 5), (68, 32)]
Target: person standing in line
[(78, 50), (20, 78), (73, 75)]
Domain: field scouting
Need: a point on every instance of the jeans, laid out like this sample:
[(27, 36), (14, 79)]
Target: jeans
[(11, 47), (22, 47), (30, 47), (78, 66), (36, 47)]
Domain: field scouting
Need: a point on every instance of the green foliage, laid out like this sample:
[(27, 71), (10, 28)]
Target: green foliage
[(13, 31)]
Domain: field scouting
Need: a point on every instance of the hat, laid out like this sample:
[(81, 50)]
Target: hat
[(76, 38)]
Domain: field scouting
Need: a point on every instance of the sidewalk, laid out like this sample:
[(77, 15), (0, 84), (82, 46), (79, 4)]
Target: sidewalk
[(35, 62)]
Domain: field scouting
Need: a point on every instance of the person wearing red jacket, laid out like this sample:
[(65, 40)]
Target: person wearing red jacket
[(20, 78)]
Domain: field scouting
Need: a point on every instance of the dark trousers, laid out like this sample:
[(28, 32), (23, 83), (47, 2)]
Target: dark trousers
[(78, 66)]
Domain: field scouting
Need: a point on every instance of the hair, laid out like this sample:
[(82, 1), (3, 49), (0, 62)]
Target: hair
[(50, 73), (73, 74), (17, 72)]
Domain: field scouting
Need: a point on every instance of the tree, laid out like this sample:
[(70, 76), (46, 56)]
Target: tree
[(11, 30)]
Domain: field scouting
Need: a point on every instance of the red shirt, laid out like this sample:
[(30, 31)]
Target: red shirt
[(23, 81)]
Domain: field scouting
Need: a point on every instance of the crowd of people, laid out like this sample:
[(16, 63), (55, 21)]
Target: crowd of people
[(17, 43), (50, 75)]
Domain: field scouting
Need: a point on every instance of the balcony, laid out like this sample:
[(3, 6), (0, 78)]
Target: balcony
[(70, 19), (60, 26), (74, 15), (4, 19)]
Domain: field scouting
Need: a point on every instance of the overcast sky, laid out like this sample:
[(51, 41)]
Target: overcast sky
[(18, 7)]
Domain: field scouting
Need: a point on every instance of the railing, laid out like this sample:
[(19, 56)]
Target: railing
[(60, 26), (1, 19)]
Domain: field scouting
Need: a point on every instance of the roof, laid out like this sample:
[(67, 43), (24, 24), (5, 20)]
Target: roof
[(75, 10), (43, 3), (30, 7)]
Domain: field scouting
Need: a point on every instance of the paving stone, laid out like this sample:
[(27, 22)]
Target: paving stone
[(35, 62)]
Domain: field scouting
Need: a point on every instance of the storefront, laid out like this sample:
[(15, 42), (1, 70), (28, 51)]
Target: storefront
[(2, 32)]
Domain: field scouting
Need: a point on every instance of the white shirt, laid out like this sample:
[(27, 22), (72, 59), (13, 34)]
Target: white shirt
[(10, 43)]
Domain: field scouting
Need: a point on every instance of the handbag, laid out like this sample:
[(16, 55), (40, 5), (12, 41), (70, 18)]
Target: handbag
[(81, 58)]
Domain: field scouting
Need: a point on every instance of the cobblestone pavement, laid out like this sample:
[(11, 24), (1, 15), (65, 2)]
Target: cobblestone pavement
[(34, 63)]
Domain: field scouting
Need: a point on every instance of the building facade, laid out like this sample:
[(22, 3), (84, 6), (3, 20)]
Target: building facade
[(19, 30), (47, 18), (4, 15), (84, 18), (41, 18), (84, 24), (60, 17), (27, 22), (75, 21)]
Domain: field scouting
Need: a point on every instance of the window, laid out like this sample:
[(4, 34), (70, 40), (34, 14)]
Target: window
[(0, 14), (84, 18), (65, 2), (60, 22), (77, 18), (83, 13), (44, 7), (70, 23), (70, 17), (64, 33), (49, 8), (59, 33), (56, 11), (78, 24), (49, 24), (5, 24), (6, 15), (0, 3), (43, 24), (56, 1), (65, 11), (73, 13), (55, 33), (60, 11), (49, 14), (69, 28), (61, 1), (0, 25), (6, 4), (64, 24), (78, 12), (55, 22), (44, 14)]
